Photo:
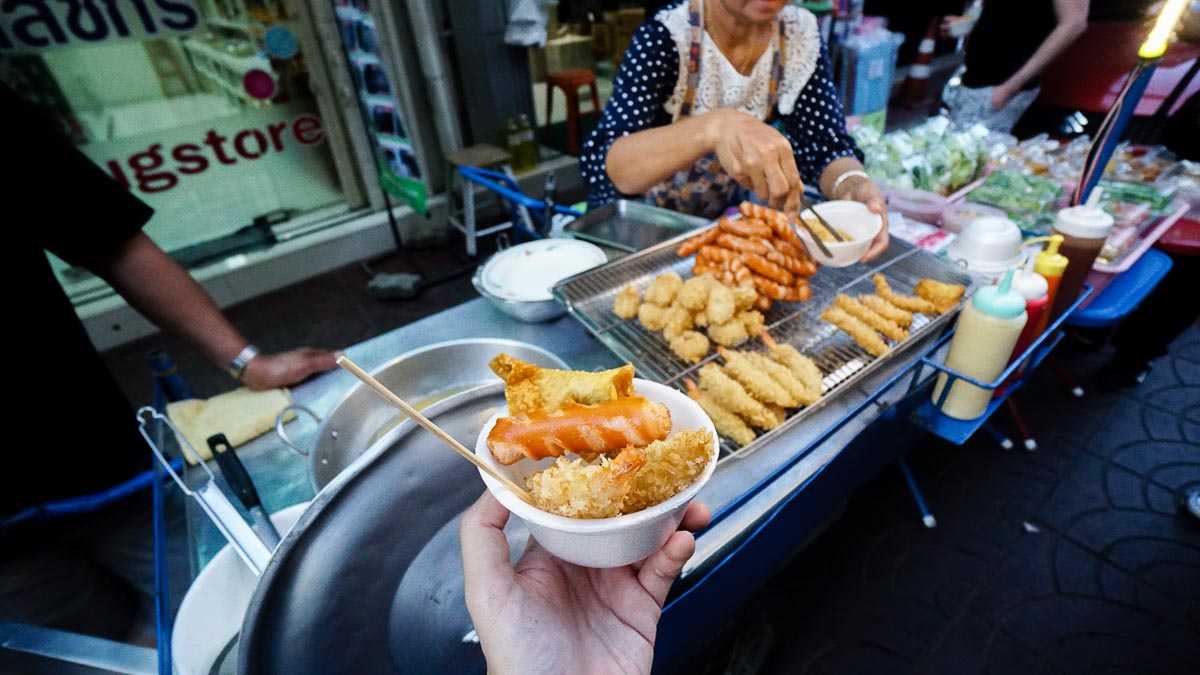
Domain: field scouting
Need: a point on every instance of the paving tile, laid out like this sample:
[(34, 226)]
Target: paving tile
[(1144, 457)]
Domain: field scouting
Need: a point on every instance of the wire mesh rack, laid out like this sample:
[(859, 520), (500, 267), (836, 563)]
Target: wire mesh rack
[(589, 297)]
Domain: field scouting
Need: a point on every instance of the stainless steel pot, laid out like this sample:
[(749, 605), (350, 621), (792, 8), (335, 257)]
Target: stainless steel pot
[(421, 377)]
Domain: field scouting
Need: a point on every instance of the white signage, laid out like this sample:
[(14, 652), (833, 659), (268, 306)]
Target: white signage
[(36, 25)]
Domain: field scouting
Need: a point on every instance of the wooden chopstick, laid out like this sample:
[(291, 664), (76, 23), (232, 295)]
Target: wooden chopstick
[(430, 426)]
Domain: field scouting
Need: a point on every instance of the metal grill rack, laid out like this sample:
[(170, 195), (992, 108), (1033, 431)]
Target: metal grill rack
[(589, 297)]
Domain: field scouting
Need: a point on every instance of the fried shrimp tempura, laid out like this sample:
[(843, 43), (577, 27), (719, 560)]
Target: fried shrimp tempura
[(690, 346), (529, 387), (727, 422), (627, 302), (721, 304), (576, 489), (727, 334), (728, 393), (694, 293), (944, 296), (652, 316), (671, 465), (758, 383), (864, 335), (900, 317), (906, 302), (800, 392), (870, 317), (663, 289), (802, 367)]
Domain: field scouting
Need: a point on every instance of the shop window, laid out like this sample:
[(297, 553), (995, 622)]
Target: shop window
[(202, 108)]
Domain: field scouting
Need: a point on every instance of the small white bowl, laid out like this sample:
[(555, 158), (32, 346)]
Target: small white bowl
[(604, 542), (852, 220)]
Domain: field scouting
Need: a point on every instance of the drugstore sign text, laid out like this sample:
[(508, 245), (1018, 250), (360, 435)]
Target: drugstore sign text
[(34, 25), (161, 166)]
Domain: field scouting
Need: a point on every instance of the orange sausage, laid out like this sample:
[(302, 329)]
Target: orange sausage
[(577, 428), (746, 228), (778, 291), (768, 269), (693, 244), (715, 253), (801, 267), (732, 241)]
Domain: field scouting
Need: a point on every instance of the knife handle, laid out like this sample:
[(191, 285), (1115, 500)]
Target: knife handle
[(234, 471)]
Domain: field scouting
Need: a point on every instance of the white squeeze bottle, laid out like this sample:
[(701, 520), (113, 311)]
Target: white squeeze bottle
[(987, 331)]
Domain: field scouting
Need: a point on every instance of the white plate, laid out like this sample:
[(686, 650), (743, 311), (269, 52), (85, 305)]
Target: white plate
[(526, 272), (212, 610)]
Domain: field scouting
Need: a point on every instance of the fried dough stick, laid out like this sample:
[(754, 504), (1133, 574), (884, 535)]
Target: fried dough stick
[(727, 392), (870, 317), (900, 317), (943, 295), (796, 388), (909, 303), (802, 367), (528, 387), (727, 422), (864, 335), (758, 383)]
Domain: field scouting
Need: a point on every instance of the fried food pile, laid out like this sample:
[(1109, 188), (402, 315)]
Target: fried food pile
[(755, 390), (628, 457), (888, 314), (694, 313), (760, 250)]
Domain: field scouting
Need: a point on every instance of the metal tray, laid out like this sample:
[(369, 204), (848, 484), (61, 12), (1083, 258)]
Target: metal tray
[(589, 297), (631, 226)]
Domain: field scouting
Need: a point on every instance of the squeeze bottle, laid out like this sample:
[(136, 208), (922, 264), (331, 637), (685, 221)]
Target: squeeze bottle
[(1050, 264), (1035, 289), (987, 331), (1084, 228)]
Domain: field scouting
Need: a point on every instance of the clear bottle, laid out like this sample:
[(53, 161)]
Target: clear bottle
[(526, 145), (987, 331), (512, 141)]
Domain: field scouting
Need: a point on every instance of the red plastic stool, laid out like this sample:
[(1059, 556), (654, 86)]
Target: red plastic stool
[(570, 82)]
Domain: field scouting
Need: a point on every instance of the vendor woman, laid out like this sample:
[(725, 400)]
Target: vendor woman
[(719, 98)]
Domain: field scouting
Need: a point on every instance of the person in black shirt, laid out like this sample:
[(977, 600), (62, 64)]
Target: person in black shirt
[(1009, 47), (79, 433)]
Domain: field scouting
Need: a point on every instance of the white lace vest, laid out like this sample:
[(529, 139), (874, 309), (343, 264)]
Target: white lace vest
[(722, 86)]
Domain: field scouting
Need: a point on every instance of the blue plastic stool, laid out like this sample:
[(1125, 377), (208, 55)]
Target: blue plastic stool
[(1125, 293)]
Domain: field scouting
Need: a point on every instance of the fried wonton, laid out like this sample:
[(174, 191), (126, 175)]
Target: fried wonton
[(529, 387)]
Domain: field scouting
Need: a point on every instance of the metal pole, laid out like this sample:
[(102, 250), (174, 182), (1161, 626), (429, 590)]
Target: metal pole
[(433, 66)]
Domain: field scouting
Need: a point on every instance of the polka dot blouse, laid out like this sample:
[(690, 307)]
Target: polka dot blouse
[(816, 126)]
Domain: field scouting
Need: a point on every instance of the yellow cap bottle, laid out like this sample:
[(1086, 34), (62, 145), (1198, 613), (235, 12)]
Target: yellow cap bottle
[(1050, 264)]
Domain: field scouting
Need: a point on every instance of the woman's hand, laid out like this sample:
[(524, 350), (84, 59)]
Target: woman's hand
[(757, 156), (544, 615), (860, 189), (268, 371)]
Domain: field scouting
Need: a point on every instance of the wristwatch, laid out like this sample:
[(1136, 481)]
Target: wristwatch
[(243, 359)]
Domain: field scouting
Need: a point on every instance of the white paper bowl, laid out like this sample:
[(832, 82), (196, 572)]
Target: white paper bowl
[(854, 221), (604, 542)]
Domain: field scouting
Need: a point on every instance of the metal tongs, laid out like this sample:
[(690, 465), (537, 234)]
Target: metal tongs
[(807, 205), (251, 542)]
